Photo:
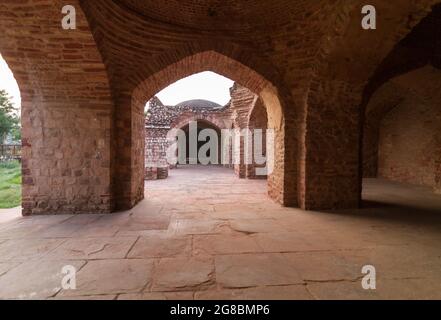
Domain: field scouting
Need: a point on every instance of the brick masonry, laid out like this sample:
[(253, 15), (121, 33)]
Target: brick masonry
[(309, 62)]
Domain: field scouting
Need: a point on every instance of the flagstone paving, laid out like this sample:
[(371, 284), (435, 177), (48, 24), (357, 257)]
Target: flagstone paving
[(204, 234)]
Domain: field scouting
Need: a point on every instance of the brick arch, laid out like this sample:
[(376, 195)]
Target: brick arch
[(66, 109), (346, 39), (257, 114), (330, 165), (224, 65), (161, 42), (419, 47), (187, 61), (383, 100), (209, 120)]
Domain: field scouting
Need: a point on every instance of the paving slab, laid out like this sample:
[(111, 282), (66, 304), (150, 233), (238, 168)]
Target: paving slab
[(27, 249), (161, 246), (93, 248), (114, 276), (296, 292), (224, 244), (183, 274), (35, 279)]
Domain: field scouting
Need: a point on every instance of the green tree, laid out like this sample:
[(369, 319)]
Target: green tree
[(9, 121)]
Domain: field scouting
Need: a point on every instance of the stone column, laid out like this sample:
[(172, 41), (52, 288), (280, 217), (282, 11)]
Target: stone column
[(331, 147)]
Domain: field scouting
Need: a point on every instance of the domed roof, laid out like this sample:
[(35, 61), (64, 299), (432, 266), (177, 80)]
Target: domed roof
[(212, 14), (200, 104)]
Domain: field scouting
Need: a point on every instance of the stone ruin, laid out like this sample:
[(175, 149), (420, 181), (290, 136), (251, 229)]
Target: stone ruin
[(160, 119)]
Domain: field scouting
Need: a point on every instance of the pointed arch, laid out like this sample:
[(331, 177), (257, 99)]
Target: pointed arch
[(209, 60)]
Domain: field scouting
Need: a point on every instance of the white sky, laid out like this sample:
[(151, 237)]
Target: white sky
[(205, 85), (8, 83)]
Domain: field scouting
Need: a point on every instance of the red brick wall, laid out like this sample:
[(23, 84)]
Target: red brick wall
[(409, 136), (410, 133)]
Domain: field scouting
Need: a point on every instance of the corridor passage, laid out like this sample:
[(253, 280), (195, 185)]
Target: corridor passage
[(205, 234)]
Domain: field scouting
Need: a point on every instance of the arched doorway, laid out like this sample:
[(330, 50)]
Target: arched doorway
[(402, 136), (219, 63)]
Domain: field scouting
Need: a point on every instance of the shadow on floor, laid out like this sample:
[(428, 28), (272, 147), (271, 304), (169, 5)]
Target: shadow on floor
[(401, 216)]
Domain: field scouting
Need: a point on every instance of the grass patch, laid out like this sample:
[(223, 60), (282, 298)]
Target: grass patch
[(10, 184)]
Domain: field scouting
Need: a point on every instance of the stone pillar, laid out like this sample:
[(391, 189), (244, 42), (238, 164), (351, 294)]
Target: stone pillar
[(331, 147), (129, 152), (282, 178)]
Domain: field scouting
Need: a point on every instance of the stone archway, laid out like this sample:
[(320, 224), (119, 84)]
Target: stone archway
[(219, 63), (340, 84)]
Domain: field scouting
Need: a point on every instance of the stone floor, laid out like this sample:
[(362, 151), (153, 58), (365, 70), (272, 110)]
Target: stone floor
[(204, 234)]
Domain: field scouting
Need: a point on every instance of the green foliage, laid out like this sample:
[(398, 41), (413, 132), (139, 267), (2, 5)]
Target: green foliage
[(10, 184), (9, 121)]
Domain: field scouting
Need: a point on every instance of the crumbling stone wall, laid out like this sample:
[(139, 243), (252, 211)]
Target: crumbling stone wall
[(66, 109), (161, 119), (392, 84), (242, 101)]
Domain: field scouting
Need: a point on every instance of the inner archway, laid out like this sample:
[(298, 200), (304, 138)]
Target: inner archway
[(402, 136), (204, 133), (200, 126)]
